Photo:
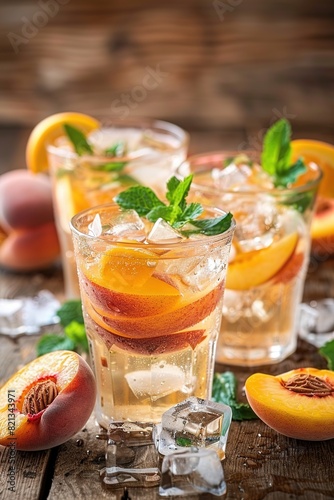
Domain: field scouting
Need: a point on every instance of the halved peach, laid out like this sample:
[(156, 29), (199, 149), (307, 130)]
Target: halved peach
[(46, 402), (252, 270), (297, 404), (188, 314)]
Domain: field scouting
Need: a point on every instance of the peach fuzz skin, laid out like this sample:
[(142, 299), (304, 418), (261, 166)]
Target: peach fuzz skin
[(289, 413), (28, 239), (64, 416)]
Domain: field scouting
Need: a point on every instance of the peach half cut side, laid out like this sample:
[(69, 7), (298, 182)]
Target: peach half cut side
[(50, 399), (248, 271), (298, 404)]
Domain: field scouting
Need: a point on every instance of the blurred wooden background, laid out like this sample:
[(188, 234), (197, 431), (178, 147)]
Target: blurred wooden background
[(222, 69)]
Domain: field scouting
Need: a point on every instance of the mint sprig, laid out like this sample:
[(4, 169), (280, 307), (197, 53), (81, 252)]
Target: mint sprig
[(78, 139), (177, 213), (73, 337), (276, 155)]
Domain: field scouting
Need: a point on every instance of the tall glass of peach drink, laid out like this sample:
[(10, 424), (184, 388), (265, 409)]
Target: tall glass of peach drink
[(152, 302)]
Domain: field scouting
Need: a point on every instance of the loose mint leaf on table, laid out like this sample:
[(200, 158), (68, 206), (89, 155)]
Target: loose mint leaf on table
[(71, 310), (224, 390), (327, 350), (177, 213), (78, 140), (50, 343), (76, 332), (73, 337), (276, 155)]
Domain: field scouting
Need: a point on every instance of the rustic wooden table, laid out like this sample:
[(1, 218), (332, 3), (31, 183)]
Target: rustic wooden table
[(259, 464)]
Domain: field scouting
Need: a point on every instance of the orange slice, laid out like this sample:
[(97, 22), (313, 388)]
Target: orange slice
[(259, 267), (47, 131), (322, 154)]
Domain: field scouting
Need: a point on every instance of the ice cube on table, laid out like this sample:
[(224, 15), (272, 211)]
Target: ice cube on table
[(194, 422), (257, 223), (131, 457), (127, 225), (163, 233), (197, 470), (316, 321), (26, 315)]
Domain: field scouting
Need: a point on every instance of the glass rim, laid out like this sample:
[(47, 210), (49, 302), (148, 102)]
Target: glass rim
[(226, 235), (191, 160), (140, 123)]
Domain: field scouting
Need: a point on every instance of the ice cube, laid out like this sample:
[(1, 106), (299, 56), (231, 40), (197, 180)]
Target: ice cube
[(134, 463), (163, 233), (231, 176), (95, 227), (26, 315), (257, 223), (193, 471), (208, 270), (127, 225), (194, 422), (161, 380), (107, 137), (316, 323)]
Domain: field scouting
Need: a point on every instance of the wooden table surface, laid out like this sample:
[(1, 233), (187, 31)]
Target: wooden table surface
[(259, 464)]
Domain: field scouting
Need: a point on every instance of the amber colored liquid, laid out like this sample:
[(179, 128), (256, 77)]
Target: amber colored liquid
[(152, 345)]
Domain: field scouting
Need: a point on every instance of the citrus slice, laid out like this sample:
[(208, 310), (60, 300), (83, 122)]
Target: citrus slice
[(47, 131), (260, 266), (322, 154)]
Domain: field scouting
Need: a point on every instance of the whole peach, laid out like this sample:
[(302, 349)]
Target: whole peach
[(46, 402), (29, 238), (25, 200)]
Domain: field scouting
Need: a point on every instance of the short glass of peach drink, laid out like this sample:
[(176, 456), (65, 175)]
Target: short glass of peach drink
[(114, 157), (152, 300), (269, 256)]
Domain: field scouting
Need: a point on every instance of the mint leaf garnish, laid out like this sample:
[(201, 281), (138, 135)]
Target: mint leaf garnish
[(178, 213), (224, 390), (210, 227), (327, 350), (276, 155), (78, 140), (139, 198), (117, 149)]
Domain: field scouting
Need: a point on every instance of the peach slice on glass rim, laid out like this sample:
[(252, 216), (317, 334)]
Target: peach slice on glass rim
[(47, 401), (298, 404)]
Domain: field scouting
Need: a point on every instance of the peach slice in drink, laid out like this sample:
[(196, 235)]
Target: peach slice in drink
[(125, 281), (191, 311), (255, 268)]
